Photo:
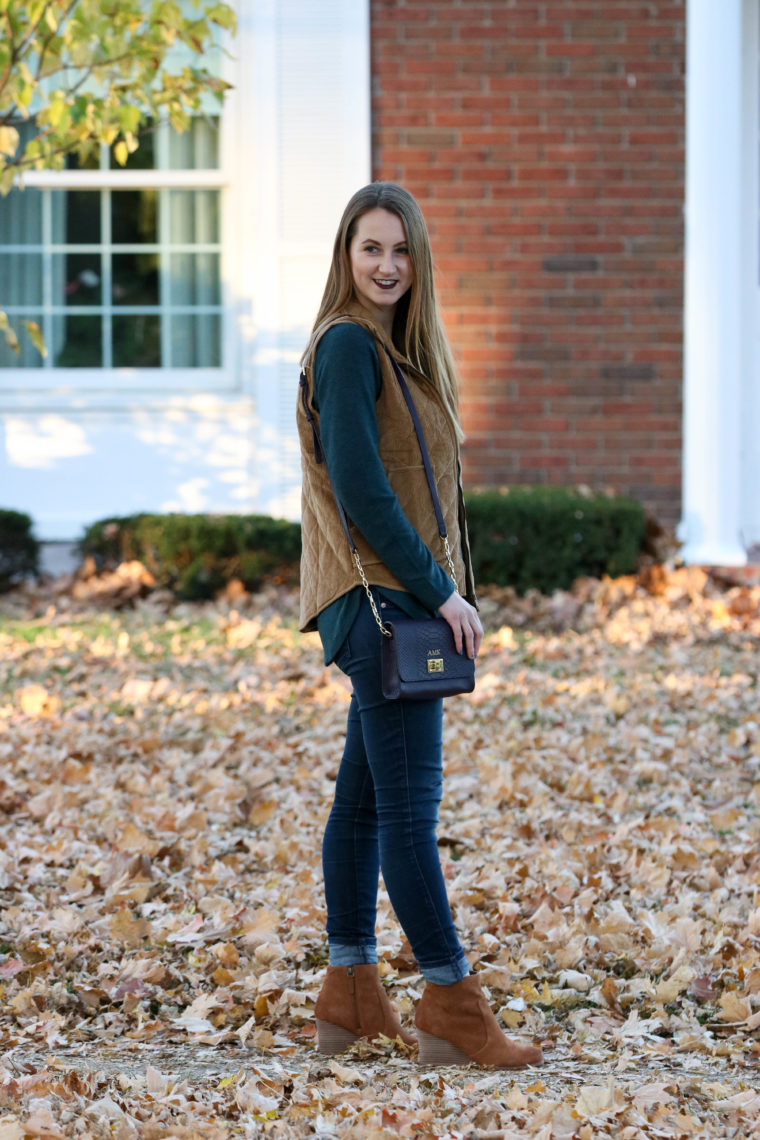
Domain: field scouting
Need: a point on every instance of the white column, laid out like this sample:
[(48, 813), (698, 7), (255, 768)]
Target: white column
[(711, 522), (751, 282)]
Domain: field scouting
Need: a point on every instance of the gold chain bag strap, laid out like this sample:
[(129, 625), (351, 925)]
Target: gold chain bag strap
[(418, 657)]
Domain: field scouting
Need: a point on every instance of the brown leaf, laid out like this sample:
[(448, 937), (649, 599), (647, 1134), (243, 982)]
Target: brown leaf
[(128, 929)]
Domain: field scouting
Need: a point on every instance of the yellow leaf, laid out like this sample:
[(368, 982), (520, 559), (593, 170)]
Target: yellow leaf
[(511, 1017), (35, 335), (120, 152), (231, 1080), (10, 336), (546, 997), (54, 112), (8, 140), (36, 701), (24, 93)]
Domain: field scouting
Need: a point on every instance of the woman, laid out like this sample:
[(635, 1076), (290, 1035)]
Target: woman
[(357, 434)]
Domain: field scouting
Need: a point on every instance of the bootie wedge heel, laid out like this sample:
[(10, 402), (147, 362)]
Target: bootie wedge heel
[(352, 1004), (456, 1026)]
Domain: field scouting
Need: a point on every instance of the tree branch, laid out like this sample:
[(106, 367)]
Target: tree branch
[(13, 55), (64, 17), (33, 29)]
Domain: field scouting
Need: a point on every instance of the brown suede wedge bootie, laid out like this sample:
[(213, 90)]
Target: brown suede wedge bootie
[(456, 1025), (352, 1004)]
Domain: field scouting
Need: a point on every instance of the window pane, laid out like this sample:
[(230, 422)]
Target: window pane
[(21, 279), (196, 340), (197, 148), (134, 216), (135, 278), (194, 279), (194, 216), (137, 341), (75, 217), (28, 356), (76, 278), (21, 218), (77, 341)]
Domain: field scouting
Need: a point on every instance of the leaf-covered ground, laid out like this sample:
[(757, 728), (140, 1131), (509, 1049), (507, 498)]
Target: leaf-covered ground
[(165, 773)]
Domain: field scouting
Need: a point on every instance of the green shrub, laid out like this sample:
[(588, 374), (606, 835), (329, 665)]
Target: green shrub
[(195, 555), (19, 550), (545, 537), (540, 538)]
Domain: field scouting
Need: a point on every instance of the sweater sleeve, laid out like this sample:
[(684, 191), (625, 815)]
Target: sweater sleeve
[(347, 383)]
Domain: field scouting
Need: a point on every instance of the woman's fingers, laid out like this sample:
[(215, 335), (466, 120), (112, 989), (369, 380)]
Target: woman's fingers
[(477, 637), (473, 635), (465, 624)]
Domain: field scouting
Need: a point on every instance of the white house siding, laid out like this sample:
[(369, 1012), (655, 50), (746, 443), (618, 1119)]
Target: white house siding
[(79, 444)]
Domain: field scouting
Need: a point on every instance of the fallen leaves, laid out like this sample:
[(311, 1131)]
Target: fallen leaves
[(167, 771)]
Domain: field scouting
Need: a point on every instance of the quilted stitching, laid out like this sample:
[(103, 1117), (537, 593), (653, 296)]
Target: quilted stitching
[(327, 570)]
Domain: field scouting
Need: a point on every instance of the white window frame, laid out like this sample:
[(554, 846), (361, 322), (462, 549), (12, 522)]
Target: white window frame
[(48, 378)]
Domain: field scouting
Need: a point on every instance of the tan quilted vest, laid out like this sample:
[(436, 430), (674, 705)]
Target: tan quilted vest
[(327, 569)]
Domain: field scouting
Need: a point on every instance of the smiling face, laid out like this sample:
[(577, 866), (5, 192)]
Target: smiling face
[(381, 267)]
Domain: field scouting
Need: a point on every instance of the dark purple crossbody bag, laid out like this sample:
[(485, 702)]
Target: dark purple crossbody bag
[(418, 657)]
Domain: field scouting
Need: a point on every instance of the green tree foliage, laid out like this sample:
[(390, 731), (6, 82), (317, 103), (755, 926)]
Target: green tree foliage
[(87, 72)]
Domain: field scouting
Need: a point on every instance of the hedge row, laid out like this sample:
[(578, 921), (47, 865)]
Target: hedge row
[(540, 538), (19, 550), (546, 537), (195, 555)]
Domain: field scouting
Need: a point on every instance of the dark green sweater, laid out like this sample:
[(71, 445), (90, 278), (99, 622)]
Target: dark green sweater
[(347, 384)]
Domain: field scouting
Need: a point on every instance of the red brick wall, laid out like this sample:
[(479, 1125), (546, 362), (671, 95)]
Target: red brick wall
[(544, 142)]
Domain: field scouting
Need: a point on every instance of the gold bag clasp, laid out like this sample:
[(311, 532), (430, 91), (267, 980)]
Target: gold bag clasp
[(435, 665)]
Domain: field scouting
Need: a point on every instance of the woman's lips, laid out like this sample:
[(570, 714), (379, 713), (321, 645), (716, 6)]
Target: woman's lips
[(385, 284)]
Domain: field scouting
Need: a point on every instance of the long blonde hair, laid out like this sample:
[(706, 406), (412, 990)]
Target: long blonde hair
[(417, 330)]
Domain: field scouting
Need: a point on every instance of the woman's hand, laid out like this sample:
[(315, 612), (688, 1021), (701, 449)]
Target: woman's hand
[(465, 623)]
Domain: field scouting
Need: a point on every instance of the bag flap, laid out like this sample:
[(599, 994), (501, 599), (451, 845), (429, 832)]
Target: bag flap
[(425, 650)]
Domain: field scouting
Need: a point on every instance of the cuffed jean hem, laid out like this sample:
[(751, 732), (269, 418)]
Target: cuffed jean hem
[(446, 975), (343, 954)]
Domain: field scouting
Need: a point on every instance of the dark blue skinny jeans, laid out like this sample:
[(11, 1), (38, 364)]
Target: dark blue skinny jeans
[(385, 815)]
